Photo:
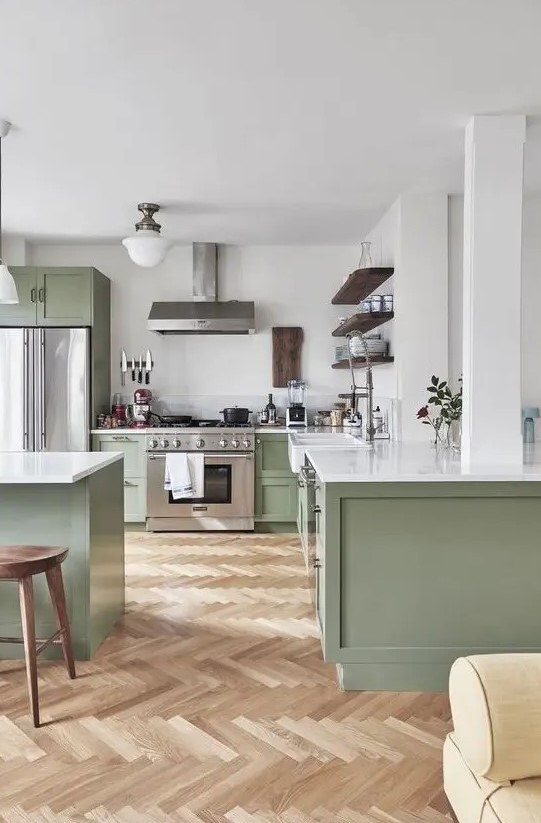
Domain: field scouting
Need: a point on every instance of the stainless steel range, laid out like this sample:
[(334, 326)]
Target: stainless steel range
[(228, 500)]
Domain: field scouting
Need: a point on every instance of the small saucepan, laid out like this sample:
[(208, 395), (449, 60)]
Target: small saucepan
[(236, 416)]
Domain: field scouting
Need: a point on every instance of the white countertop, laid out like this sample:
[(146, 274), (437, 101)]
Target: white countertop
[(390, 462), (52, 467)]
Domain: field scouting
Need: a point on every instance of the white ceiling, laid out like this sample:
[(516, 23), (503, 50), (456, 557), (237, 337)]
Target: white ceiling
[(266, 121)]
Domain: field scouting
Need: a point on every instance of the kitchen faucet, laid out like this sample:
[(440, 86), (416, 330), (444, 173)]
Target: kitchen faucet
[(357, 392)]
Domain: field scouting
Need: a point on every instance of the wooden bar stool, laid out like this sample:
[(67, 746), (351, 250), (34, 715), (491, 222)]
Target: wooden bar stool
[(21, 563)]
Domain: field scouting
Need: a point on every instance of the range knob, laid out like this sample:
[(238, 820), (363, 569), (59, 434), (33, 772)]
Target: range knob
[(200, 443), (235, 443), (153, 443), (176, 443), (223, 443), (164, 443), (246, 443)]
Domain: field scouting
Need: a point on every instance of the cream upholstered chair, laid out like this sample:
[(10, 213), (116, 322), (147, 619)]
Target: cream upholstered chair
[(492, 759)]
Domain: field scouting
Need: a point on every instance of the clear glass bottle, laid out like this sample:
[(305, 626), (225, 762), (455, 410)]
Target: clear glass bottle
[(270, 408), (366, 255)]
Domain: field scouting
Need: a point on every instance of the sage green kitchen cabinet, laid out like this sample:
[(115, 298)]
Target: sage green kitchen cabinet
[(135, 481), (63, 296), (22, 313), (275, 484), (412, 575), (276, 500)]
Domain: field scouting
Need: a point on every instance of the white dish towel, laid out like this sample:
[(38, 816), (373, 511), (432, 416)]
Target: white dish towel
[(184, 475)]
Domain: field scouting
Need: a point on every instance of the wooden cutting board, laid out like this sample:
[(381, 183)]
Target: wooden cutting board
[(286, 354)]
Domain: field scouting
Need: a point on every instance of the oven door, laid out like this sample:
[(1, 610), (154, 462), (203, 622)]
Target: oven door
[(229, 489)]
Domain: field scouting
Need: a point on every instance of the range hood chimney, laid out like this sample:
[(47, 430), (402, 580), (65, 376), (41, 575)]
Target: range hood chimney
[(205, 314)]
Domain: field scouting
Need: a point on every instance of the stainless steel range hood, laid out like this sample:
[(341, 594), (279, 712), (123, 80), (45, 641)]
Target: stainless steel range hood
[(205, 314)]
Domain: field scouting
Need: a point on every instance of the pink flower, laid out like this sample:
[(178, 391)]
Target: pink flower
[(423, 412)]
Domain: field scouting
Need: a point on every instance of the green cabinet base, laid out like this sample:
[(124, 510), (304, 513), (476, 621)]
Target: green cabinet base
[(394, 677), (275, 483), (413, 575), (87, 518)]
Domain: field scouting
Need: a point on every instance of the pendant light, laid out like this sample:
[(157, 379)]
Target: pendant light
[(8, 290), (146, 247)]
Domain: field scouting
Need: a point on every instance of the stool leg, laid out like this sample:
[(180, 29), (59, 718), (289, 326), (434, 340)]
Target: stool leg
[(26, 598), (58, 598)]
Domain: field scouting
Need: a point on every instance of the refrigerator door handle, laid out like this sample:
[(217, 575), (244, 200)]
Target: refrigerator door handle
[(39, 391), (43, 428), (26, 390)]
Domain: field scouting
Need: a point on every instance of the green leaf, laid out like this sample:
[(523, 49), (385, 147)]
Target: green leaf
[(431, 388), (442, 384), (434, 380), (425, 422)]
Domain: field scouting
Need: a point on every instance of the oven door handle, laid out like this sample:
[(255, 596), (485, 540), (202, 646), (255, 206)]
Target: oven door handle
[(225, 455)]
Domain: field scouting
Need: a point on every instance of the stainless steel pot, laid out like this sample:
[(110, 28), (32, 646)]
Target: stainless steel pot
[(236, 416)]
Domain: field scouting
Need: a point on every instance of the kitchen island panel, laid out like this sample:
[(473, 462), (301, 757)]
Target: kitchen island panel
[(417, 575), (87, 518)]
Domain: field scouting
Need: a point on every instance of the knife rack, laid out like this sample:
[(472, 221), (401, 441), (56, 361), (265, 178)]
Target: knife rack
[(131, 364)]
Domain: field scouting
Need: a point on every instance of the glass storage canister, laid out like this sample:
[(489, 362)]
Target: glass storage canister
[(388, 303), (366, 306), (377, 303)]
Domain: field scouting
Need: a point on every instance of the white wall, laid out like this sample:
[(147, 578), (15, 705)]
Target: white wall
[(291, 285), (531, 296), (413, 237)]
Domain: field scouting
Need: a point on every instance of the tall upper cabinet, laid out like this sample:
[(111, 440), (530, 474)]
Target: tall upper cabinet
[(68, 297), (55, 296)]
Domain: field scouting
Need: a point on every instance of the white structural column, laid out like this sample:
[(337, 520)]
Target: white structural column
[(492, 287)]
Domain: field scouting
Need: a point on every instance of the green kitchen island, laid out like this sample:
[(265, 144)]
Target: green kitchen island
[(76, 500), (417, 561)]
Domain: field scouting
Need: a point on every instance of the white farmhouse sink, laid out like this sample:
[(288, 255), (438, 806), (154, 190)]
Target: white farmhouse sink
[(300, 442)]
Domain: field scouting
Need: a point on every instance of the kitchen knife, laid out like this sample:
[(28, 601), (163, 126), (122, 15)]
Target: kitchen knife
[(140, 372), (148, 367), (133, 365), (123, 367)]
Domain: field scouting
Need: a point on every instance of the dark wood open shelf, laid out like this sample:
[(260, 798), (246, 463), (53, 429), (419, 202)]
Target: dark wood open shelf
[(359, 285), (360, 362), (363, 322)]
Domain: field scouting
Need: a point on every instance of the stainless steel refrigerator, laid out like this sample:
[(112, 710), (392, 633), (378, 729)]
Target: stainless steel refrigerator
[(44, 389)]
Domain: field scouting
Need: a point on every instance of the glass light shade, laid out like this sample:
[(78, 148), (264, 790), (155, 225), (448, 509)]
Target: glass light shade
[(146, 247), (8, 289)]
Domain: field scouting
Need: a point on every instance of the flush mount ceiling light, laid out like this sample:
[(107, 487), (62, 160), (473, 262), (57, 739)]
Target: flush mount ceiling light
[(8, 290), (146, 247)]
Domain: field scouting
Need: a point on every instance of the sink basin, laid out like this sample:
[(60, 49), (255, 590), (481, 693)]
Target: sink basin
[(298, 443)]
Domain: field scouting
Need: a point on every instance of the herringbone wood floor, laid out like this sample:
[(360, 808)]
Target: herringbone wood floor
[(211, 703)]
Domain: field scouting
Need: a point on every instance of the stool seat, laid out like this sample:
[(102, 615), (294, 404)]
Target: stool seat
[(20, 561)]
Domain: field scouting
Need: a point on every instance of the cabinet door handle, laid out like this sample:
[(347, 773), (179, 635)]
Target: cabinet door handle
[(127, 483), (33, 294), (315, 563), (316, 509), (300, 484), (41, 295), (121, 437), (257, 441)]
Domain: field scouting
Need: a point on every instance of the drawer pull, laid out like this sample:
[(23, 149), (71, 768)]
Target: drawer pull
[(315, 563), (127, 483), (121, 437), (316, 509)]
